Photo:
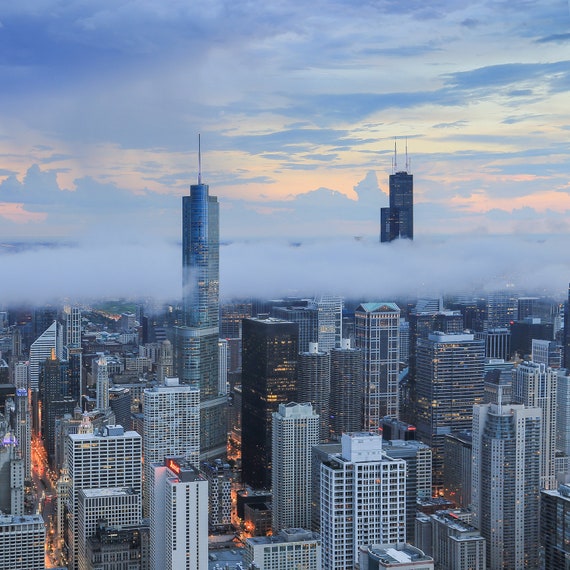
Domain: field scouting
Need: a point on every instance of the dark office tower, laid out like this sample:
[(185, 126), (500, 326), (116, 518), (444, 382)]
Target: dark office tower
[(314, 385), (458, 451), (449, 382), (196, 342), (502, 309), (55, 400), (306, 318), (555, 527), (268, 379), (347, 390), (397, 221), (497, 343)]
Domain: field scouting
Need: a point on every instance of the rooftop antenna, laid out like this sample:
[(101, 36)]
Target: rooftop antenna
[(395, 156), (407, 162), (199, 161)]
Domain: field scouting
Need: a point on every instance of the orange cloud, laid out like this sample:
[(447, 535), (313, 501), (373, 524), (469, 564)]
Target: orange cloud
[(541, 202), (16, 213)]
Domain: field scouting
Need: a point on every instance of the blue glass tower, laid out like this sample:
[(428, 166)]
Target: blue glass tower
[(196, 341), (397, 221)]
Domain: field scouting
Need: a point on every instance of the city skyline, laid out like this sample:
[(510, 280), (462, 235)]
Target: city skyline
[(299, 107)]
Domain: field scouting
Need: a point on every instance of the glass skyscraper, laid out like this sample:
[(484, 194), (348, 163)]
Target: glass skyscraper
[(196, 341), (397, 221)]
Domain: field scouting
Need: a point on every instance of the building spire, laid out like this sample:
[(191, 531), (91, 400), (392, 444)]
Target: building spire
[(395, 156), (199, 161)]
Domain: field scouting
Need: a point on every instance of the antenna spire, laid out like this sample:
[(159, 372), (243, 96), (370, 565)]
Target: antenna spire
[(199, 161), (407, 162), (395, 156)]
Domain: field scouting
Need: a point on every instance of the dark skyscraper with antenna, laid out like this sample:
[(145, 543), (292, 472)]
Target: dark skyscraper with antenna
[(196, 341), (397, 221)]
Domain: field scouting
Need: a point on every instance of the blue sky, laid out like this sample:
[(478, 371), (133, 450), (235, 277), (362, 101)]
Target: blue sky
[(298, 104)]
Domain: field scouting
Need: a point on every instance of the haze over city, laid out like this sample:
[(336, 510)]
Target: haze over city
[(299, 107)]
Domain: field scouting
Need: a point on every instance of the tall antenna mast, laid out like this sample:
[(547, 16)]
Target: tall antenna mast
[(407, 163), (395, 156), (199, 161)]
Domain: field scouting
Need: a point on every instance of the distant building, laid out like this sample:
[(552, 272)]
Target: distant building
[(397, 221)]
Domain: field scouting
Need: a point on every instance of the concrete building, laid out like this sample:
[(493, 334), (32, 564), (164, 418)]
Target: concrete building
[(178, 516), (22, 542), (295, 431), (290, 548), (363, 500), (555, 527), (399, 556), (219, 476)]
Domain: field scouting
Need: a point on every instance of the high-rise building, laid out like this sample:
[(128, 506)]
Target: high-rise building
[(397, 221), (363, 500), (453, 542), (329, 320), (347, 390), (178, 516), (555, 527), (219, 476), (458, 453), (307, 320), (24, 430), (73, 327), (51, 338), (547, 352), (534, 385), (449, 381), (314, 386), (566, 333), (164, 366), (196, 342), (101, 375), (295, 432), (109, 458), (22, 542), (506, 483), (563, 411), (268, 379), (171, 426), (377, 328), (393, 556), (290, 548)]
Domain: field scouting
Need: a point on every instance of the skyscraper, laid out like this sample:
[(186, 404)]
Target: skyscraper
[(314, 385), (363, 500), (449, 381), (196, 341), (295, 432), (377, 335), (535, 386), (268, 379), (179, 516), (555, 527), (347, 389), (506, 477), (101, 374), (397, 221)]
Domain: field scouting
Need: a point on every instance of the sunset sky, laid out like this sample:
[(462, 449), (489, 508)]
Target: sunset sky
[(299, 105)]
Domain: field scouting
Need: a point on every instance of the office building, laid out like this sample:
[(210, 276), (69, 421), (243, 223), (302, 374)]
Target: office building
[(307, 320), (546, 352), (451, 540), (196, 341), (21, 375), (178, 516), (41, 349), (120, 404), (347, 390), (290, 548), (11, 473), (24, 430), (506, 483), (458, 453), (118, 506), (329, 321), (555, 527), (397, 556), (397, 221), (535, 386), (268, 379), (449, 381), (72, 327), (501, 309), (377, 332), (231, 316), (497, 343), (22, 542), (295, 432), (363, 500), (108, 458), (314, 385), (171, 426), (566, 333)]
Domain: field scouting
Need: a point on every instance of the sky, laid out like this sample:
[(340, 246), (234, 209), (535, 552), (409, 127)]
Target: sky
[(300, 107)]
